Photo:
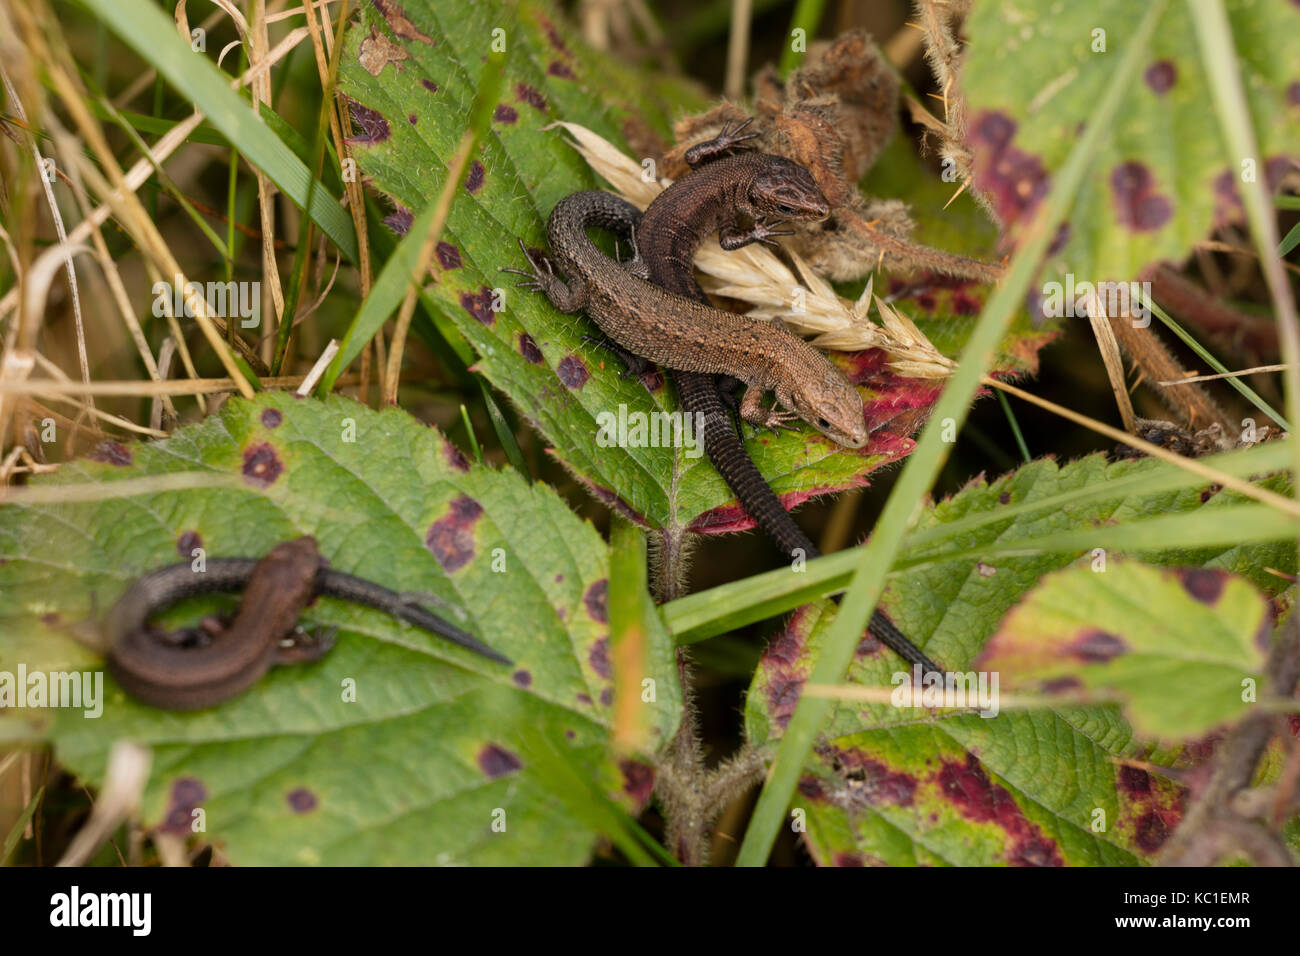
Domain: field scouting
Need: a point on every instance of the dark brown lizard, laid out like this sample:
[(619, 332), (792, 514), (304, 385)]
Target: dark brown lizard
[(179, 671), (716, 196)]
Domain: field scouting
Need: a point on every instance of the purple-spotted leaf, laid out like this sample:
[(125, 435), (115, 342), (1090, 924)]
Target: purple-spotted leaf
[(901, 785), (1182, 649), (410, 106), (398, 747), (1160, 180)]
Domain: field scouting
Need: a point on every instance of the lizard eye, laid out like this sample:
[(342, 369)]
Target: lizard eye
[(785, 210), (823, 423)]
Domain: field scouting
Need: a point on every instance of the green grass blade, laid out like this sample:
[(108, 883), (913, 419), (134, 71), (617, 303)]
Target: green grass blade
[(474, 448), (16, 831), (807, 15), (1015, 426), (148, 31), (1290, 241), (505, 434)]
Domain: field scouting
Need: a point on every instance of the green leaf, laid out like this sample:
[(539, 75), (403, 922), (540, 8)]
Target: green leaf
[(904, 786), (1176, 646), (1159, 183), (149, 32), (411, 102), (411, 770)]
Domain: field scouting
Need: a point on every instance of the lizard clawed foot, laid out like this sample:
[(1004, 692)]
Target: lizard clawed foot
[(732, 134), (752, 411), (764, 230), (529, 282), (536, 280), (729, 137), (301, 646), (776, 421)]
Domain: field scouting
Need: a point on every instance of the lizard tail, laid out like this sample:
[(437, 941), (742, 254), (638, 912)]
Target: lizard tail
[(724, 448)]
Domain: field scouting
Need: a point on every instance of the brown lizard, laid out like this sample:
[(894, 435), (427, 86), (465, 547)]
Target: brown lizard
[(683, 334), (186, 670)]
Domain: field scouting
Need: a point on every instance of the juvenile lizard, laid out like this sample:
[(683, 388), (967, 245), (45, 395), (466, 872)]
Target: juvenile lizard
[(167, 670), (684, 334), (711, 198)]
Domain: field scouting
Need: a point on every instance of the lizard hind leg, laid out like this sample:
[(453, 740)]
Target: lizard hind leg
[(302, 646), (729, 390), (567, 297)]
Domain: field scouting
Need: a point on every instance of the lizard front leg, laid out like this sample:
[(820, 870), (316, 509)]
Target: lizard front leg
[(568, 296), (733, 237), (752, 411)]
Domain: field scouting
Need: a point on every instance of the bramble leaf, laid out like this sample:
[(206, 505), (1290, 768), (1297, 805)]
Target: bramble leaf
[(1160, 182), (398, 747), (1178, 647)]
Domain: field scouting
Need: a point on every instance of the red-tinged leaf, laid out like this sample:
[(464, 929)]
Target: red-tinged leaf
[(1182, 649)]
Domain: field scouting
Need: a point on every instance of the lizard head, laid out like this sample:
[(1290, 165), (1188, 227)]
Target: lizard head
[(832, 406), (785, 190)]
